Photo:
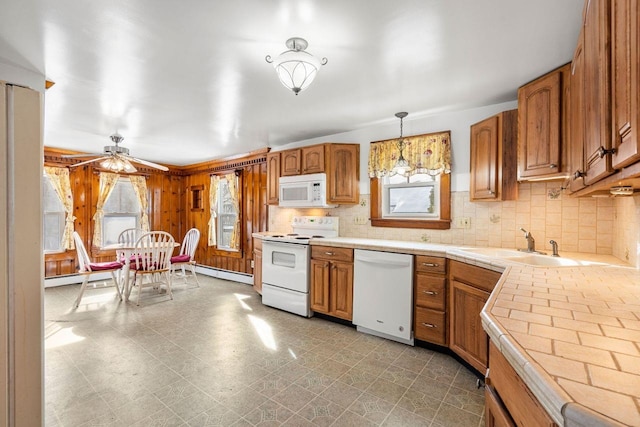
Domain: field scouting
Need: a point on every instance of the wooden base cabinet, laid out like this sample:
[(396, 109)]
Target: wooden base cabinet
[(257, 265), (331, 289), (469, 289), (509, 402), (430, 284)]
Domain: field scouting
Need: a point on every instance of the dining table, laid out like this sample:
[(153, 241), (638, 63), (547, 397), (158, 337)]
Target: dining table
[(126, 250)]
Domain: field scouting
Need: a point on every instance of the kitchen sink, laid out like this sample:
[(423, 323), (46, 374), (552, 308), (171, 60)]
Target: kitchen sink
[(514, 255)]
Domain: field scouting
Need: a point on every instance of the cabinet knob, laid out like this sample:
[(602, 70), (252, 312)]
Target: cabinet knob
[(428, 325), (603, 151), (430, 264), (492, 192), (578, 174), (553, 166), (430, 292)]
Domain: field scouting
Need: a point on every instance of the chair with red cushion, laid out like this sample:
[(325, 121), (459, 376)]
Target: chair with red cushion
[(87, 268), (151, 259), (187, 254)]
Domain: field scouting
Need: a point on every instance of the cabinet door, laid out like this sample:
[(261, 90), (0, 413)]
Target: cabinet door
[(484, 160), (495, 415), (273, 176), (313, 159), (539, 126), (257, 271), (341, 290), (290, 162), (576, 120), (597, 137), (319, 288), (343, 174), (466, 336), (625, 91)]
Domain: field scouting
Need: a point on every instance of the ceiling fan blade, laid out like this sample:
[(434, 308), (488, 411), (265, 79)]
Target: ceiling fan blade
[(146, 163), (79, 156), (97, 159)]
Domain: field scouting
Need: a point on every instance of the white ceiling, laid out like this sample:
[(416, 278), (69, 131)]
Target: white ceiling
[(186, 81)]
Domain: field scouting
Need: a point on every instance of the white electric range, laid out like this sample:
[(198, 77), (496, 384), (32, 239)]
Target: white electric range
[(286, 260)]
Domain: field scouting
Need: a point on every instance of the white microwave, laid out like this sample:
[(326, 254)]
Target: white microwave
[(304, 191)]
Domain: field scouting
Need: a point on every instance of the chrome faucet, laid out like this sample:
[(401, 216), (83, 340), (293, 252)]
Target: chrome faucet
[(554, 247), (531, 242)]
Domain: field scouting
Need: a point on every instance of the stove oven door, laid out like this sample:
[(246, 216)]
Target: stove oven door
[(286, 265)]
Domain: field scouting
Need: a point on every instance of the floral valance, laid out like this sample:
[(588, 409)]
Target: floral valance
[(429, 153)]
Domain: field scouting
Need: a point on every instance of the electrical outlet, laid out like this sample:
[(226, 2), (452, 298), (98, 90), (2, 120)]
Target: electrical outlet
[(463, 222), (360, 219)]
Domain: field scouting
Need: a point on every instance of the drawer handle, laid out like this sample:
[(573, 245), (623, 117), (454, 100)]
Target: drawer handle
[(329, 253), (430, 292), (429, 325), (431, 264)]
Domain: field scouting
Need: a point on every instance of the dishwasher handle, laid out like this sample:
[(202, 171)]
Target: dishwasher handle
[(378, 261)]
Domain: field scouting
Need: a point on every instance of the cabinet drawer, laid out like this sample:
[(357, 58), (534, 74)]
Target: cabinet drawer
[(524, 407), (472, 275), (332, 253), (430, 264), (430, 326), (430, 291)]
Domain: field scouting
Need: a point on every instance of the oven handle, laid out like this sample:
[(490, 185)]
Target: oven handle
[(285, 244)]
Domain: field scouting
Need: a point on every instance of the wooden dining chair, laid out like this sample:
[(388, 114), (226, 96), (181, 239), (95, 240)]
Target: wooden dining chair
[(186, 256), (87, 268), (151, 260)]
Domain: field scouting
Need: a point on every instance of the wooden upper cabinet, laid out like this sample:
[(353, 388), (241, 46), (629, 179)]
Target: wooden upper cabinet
[(576, 119), (542, 110), (290, 161), (313, 159), (273, 177), (493, 158), (597, 132), (343, 173), (625, 91)]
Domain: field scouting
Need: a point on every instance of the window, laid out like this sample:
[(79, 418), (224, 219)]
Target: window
[(227, 217), (121, 211), (416, 201), (415, 196), (53, 218)]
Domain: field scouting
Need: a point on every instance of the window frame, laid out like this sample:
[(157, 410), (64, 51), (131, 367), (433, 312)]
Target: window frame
[(62, 222), (220, 215), (377, 209), (121, 214)]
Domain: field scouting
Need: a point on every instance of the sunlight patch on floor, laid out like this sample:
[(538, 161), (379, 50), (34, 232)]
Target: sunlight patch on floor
[(243, 304), (61, 337), (264, 332)]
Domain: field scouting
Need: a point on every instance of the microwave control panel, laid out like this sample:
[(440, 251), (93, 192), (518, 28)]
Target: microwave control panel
[(316, 192)]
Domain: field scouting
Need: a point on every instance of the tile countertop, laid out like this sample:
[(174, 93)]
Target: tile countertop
[(571, 333)]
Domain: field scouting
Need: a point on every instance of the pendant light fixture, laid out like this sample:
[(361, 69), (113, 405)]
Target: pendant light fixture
[(296, 67), (402, 166)]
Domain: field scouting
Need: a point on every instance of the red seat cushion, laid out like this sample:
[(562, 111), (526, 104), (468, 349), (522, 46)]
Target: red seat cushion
[(99, 266), (180, 258)]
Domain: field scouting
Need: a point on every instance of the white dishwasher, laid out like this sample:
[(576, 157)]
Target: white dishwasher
[(383, 294)]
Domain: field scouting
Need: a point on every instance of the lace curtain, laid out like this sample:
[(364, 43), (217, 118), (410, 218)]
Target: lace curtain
[(232, 181), (140, 187), (107, 184), (59, 178), (429, 153), (213, 209)]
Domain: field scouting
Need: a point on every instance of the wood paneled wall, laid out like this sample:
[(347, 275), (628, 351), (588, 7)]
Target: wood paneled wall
[(169, 208)]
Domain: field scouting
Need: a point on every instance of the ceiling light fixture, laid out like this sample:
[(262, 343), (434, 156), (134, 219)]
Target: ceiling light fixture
[(402, 166), (296, 67), (118, 164)]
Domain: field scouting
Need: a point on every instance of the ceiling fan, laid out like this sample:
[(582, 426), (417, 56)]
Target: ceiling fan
[(115, 158)]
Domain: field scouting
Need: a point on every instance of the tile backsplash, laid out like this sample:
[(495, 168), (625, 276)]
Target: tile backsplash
[(578, 224)]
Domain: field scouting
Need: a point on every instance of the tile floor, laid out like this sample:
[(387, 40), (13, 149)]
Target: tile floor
[(215, 356)]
